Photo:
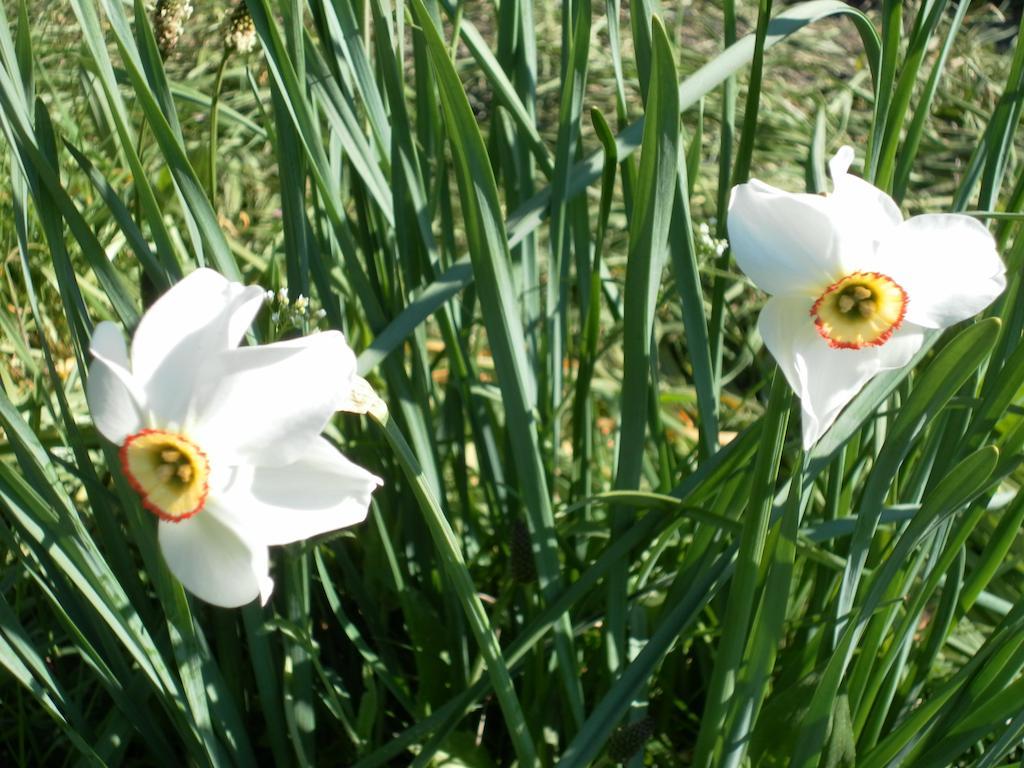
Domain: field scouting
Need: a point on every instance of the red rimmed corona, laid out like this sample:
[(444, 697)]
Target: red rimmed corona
[(860, 310), (168, 471)]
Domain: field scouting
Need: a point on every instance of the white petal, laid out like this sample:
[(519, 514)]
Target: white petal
[(214, 562), (321, 492), (947, 264), (266, 405), (108, 342), (825, 379), (868, 210), (903, 345), (115, 400), (200, 316), (841, 161), (786, 243)]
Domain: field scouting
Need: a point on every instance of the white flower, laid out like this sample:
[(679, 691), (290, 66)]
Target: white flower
[(853, 286), (223, 442)]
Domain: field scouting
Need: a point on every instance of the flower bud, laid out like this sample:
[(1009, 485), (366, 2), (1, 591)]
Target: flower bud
[(169, 19), (239, 29)]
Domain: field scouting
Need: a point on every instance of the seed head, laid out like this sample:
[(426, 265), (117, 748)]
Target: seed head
[(239, 29), (169, 19), (521, 564), (629, 739)]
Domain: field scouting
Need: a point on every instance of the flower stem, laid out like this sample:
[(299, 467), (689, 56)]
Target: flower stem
[(211, 166)]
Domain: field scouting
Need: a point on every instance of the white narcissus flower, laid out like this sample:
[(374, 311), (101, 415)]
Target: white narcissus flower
[(853, 285), (222, 442)]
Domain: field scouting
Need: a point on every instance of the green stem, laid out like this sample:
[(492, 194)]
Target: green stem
[(746, 586), (211, 166)]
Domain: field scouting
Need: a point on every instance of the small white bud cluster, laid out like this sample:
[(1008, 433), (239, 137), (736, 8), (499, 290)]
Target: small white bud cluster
[(707, 244), (169, 19), (289, 315), (239, 29)]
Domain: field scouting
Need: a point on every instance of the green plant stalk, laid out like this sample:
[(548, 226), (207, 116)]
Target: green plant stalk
[(300, 712), (1004, 745), (725, 464), (462, 582), (860, 684), (950, 570), (683, 253), (528, 216), (1006, 118), (1005, 641), (648, 241), (892, 30), (153, 97), (959, 487), (728, 130), (915, 130), (743, 589), (582, 406), (575, 60), (993, 556), (416, 246), (927, 20), (946, 374), (612, 11), (211, 158), (1012, 215), (740, 173), (266, 671), (530, 636), (767, 628), (489, 247), (716, 325), (745, 151), (988, 159), (974, 725), (635, 676)]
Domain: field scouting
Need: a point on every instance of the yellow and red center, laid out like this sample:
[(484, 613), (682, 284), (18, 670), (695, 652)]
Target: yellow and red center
[(863, 309), (168, 471)]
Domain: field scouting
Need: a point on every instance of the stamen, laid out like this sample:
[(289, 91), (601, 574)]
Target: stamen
[(171, 456), (861, 292), (184, 473), (846, 303)]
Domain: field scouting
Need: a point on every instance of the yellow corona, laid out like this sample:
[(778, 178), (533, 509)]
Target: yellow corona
[(168, 471)]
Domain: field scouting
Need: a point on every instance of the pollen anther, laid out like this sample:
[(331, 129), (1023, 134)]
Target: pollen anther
[(863, 309)]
